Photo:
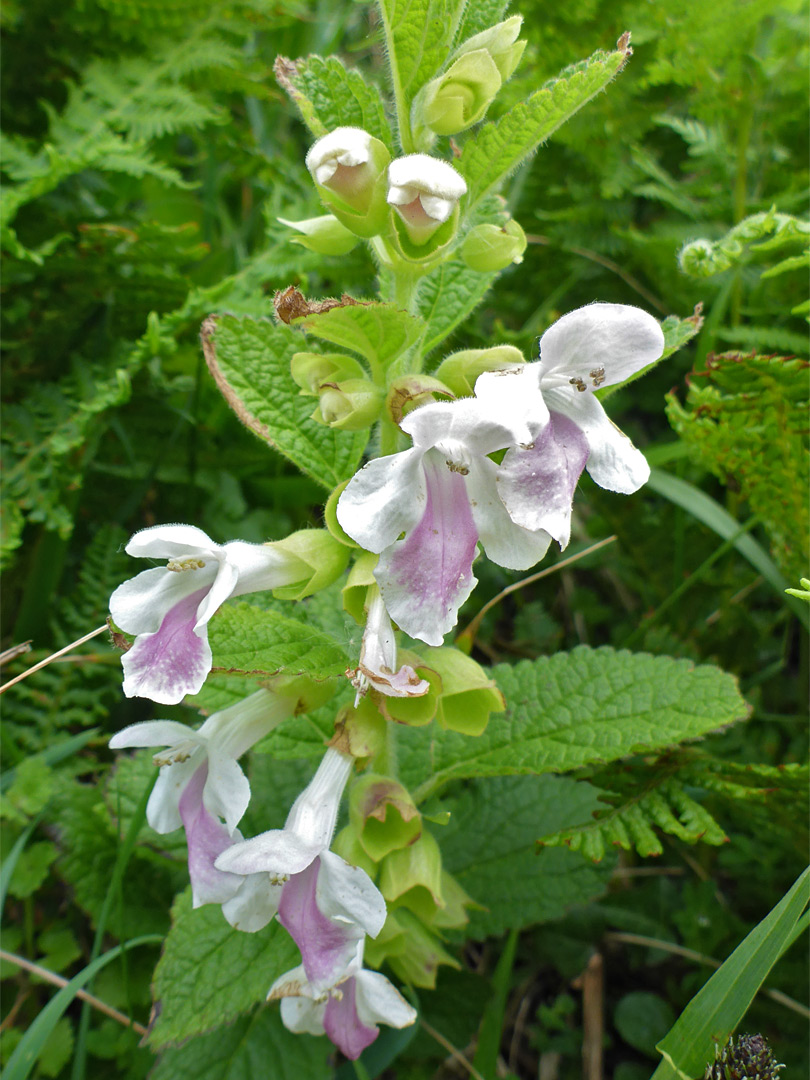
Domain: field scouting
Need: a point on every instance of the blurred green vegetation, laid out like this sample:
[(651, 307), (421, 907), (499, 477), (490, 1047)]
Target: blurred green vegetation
[(147, 153)]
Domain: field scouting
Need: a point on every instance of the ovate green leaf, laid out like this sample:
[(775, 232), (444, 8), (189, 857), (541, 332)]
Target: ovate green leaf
[(379, 332), (574, 709), (489, 845), (329, 96), (250, 361), (244, 1050), (209, 973), (247, 640), (501, 145)]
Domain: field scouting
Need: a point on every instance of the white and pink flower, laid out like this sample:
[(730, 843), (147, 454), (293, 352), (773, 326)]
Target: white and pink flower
[(348, 1011), (168, 608), (201, 787), (425, 509), (325, 904), (378, 658)]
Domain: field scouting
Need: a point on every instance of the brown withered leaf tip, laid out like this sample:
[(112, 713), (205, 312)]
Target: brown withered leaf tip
[(118, 640), (285, 70), (696, 318), (290, 303)]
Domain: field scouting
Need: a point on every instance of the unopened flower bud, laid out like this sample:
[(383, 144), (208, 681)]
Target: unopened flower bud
[(324, 235), (500, 42), (322, 560), (491, 247), (311, 370), (424, 192), (348, 166), (468, 697), (411, 391), (383, 815), (460, 370), (460, 97), (350, 405)]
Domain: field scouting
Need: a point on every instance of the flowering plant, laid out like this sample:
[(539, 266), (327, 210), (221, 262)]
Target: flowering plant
[(325, 764)]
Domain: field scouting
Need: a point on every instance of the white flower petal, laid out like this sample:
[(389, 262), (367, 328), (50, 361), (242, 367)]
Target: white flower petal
[(227, 791), (261, 566), (139, 605), (254, 905), (302, 1015), (423, 173), (513, 395), (347, 892), (468, 423), (313, 815), (601, 344), (153, 733), (385, 498), (504, 542), (171, 542), (221, 590), (162, 809), (241, 725), (379, 1002), (613, 462), (343, 146), (277, 852)]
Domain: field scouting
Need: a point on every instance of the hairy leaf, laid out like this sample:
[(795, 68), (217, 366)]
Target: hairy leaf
[(209, 973), (379, 332), (250, 362), (489, 845), (242, 1051), (574, 709), (246, 640), (329, 96), (499, 146)]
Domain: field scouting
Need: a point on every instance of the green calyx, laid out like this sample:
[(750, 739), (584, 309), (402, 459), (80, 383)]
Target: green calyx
[(460, 370), (324, 235), (323, 559), (468, 697), (383, 815), (311, 370)]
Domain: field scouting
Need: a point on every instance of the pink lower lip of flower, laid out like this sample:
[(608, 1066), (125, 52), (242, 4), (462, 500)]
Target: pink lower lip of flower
[(174, 661), (415, 214), (206, 838), (342, 1024), (426, 577), (326, 945)]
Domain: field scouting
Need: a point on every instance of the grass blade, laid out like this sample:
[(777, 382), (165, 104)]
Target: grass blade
[(25, 1055), (713, 1014), (708, 511)]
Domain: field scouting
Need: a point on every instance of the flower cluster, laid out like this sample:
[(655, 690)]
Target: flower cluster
[(495, 463)]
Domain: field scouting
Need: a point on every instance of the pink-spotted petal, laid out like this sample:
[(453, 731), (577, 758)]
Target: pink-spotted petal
[(613, 462), (174, 661), (537, 485), (326, 944), (139, 605), (425, 578), (613, 340), (206, 838), (254, 904), (505, 543), (385, 498), (344, 1027), (171, 542)]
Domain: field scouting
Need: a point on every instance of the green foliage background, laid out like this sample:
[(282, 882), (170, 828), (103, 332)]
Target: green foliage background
[(147, 152)]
